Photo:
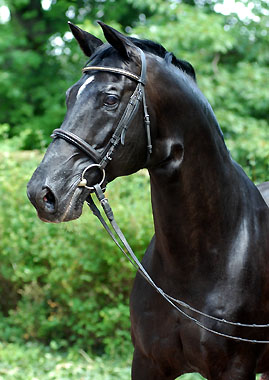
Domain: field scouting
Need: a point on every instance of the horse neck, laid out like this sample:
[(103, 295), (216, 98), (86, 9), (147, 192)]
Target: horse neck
[(195, 199)]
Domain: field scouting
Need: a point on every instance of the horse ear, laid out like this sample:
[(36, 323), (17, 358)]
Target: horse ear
[(118, 40), (87, 41)]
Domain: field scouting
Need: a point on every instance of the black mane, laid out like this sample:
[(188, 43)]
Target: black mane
[(150, 47), (159, 50)]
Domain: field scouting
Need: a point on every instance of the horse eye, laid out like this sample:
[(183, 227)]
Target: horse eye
[(111, 100)]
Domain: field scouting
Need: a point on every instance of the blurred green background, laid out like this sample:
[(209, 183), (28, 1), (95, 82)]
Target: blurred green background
[(64, 288)]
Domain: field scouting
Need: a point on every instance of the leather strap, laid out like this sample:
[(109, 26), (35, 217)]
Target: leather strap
[(141, 79), (112, 70), (78, 142), (128, 252), (126, 119)]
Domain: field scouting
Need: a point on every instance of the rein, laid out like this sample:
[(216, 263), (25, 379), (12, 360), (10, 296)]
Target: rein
[(128, 252), (101, 161)]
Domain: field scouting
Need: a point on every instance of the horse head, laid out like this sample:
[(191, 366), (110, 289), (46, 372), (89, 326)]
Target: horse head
[(110, 92)]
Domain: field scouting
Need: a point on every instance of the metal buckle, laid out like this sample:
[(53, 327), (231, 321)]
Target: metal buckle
[(83, 181)]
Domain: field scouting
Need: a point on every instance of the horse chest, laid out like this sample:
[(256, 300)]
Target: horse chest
[(161, 334)]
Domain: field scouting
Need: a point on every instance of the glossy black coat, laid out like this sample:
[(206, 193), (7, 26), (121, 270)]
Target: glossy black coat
[(211, 243)]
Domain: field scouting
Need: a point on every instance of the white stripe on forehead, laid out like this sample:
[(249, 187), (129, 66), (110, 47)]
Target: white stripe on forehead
[(89, 80)]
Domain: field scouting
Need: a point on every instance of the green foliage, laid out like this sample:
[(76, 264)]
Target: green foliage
[(39, 62), (68, 282), (231, 64), (32, 361)]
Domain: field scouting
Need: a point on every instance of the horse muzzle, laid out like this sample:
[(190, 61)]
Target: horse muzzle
[(52, 209), (62, 200)]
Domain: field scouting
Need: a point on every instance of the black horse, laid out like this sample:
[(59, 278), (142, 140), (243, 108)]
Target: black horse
[(211, 243)]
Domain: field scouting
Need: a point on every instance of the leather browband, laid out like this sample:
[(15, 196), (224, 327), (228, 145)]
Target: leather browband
[(113, 70)]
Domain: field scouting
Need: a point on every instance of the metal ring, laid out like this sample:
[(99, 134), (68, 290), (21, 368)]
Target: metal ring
[(84, 179)]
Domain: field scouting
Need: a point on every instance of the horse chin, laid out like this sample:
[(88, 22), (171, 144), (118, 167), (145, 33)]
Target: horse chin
[(74, 208)]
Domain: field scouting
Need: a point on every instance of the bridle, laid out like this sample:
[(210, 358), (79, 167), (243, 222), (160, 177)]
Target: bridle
[(101, 161)]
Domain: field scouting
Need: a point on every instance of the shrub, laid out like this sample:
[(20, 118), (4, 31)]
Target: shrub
[(67, 282)]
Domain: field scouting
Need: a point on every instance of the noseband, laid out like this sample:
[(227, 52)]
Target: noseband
[(101, 160)]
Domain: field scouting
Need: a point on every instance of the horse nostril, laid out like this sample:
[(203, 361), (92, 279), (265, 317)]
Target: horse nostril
[(49, 199)]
